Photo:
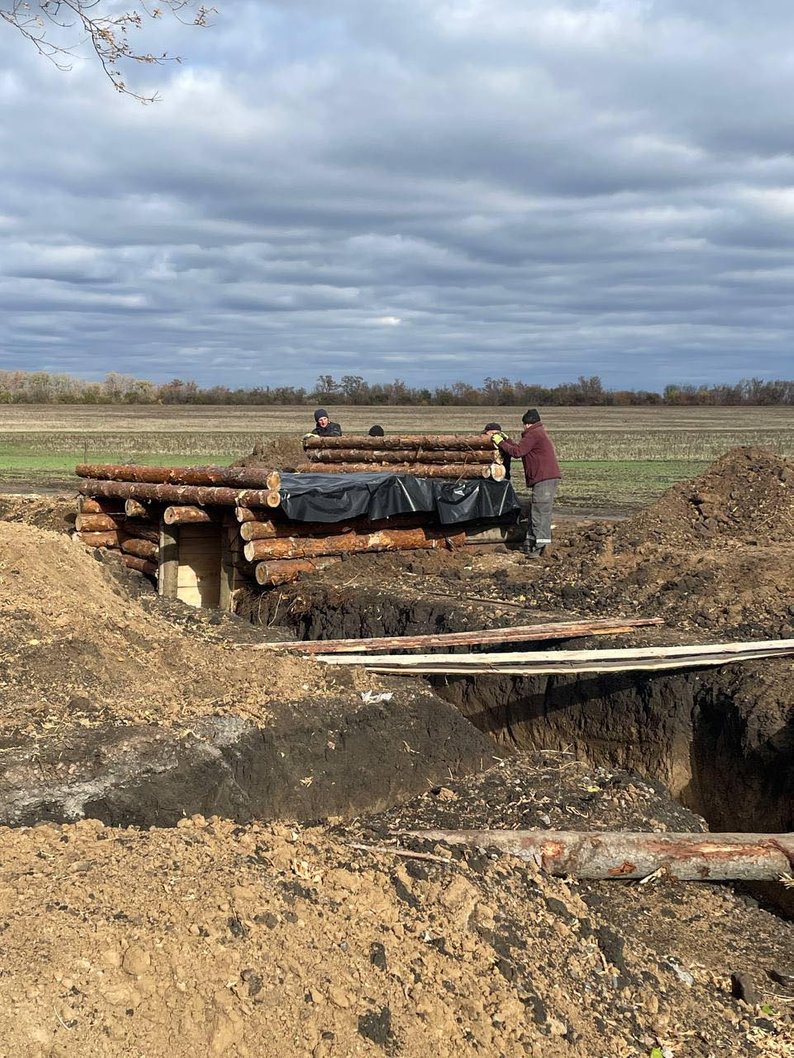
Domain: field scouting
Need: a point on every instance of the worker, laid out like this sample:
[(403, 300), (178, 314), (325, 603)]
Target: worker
[(490, 428), (542, 473), (376, 431), (323, 427)]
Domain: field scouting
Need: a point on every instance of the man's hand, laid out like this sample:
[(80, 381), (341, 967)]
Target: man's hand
[(496, 437)]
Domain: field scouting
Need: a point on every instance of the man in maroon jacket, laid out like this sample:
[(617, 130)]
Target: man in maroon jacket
[(542, 472)]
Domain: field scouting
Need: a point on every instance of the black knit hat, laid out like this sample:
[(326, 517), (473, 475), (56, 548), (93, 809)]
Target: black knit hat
[(321, 413), (530, 416), (376, 431), (491, 426)]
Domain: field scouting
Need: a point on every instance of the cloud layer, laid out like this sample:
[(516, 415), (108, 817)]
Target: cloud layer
[(431, 189)]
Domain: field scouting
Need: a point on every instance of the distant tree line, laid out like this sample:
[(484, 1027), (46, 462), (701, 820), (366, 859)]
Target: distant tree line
[(42, 387)]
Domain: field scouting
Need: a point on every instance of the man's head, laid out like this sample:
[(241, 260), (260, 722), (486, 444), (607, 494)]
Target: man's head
[(491, 426), (530, 417), (321, 417), (376, 431)]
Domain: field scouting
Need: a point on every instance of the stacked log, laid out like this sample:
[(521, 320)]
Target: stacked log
[(351, 543), (284, 571), (454, 456), (235, 477)]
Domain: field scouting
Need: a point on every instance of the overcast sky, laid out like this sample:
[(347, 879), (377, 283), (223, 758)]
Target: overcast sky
[(425, 189)]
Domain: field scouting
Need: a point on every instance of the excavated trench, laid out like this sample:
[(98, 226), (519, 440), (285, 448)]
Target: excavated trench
[(716, 740)]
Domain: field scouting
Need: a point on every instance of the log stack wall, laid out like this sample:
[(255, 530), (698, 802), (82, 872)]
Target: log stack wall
[(453, 456)]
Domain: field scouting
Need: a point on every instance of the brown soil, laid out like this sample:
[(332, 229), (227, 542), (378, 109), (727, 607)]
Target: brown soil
[(220, 939), (277, 453)]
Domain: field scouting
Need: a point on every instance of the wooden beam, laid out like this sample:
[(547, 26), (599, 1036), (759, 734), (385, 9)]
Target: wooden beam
[(95, 523), (271, 574), (108, 538), (440, 442), (570, 662), (186, 515), (490, 636), (623, 855), (135, 509), (351, 543), (140, 548), (418, 470), (201, 496), (237, 477), (168, 562), (397, 455), (142, 565)]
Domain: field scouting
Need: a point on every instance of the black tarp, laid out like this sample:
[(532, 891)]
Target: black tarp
[(338, 497)]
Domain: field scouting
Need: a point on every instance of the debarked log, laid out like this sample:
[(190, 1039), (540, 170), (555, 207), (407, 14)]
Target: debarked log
[(202, 496), (96, 523), (418, 470), (284, 571), (245, 514), (186, 515), (351, 543), (141, 564), (630, 855), (235, 477), (439, 442), (135, 509), (106, 539), (141, 548), (399, 455)]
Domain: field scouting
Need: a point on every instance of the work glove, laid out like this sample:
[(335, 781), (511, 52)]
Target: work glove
[(497, 438)]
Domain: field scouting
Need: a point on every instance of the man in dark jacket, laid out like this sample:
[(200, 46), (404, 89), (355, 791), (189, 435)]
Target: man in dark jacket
[(323, 427), (542, 473), (494, 427)]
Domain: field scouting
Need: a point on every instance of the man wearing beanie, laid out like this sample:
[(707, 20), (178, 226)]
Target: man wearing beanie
[(542, 473), (323, 427)]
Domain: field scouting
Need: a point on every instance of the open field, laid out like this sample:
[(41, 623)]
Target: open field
[(612, 457)]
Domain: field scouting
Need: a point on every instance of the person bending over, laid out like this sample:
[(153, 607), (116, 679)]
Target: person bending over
[(542, 473)]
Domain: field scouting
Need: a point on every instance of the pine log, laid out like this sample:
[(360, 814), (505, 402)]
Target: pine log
[(490, 636), (351, 543), (141, 564), (271, 530), (440, 442), (106, 539), (245, 514), (135, 530), (236, 477), (135, 509), (92, 505), (454, 471), (95, 523), (623, 855), (189, 494), (398, 455), (186, 515), (271, 574), (141, 548), (498, 472)]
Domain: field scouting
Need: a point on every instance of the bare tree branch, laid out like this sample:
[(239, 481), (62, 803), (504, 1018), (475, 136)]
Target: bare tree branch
[(44, 22)]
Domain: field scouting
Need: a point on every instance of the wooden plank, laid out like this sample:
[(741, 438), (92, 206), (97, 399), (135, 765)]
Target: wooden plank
[(514, 634), (168, 562), (622, 855), (564, 662)]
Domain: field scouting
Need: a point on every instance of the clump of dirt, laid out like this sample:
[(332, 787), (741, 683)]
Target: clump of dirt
[(79, 649), (276, 453), (746, 496), (45, 512), (244, 941)]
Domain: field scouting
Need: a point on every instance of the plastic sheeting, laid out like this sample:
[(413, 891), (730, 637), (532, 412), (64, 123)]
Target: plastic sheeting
[(338, 497)]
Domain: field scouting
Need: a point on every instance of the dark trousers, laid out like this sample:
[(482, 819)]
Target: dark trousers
[(541, 504)]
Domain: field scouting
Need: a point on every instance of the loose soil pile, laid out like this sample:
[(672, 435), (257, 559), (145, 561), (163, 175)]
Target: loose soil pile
[(275, 453)]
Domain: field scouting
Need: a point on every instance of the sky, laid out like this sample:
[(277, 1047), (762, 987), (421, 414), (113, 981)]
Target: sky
[(429, 190)]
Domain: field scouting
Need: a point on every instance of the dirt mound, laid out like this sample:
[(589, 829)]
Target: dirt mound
[(747, 495), (45, 512), (277, 453), (78, 648), (212, 939)]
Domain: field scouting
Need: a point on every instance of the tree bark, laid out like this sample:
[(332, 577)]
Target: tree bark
[(106, 539), (140, 548), (398, 455), (141, 564), (245, 514), (453, 471), (140, 531), (274, 530), (188, 494), (271, 574), (237, 477), (492, 636), (625, 855), (91, 505), (351, 543), (439, 442), (95, 523), (135, 509), (186, 515)]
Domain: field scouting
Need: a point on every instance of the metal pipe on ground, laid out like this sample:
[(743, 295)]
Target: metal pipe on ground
[(351, 543), (623, 855)]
